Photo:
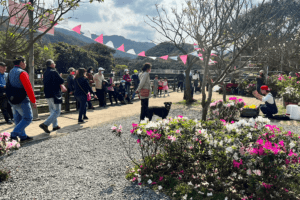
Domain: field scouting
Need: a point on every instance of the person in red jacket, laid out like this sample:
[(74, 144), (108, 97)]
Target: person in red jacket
[(18, 82)]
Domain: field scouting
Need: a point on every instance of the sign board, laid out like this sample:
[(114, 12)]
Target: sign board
[(21, 17)]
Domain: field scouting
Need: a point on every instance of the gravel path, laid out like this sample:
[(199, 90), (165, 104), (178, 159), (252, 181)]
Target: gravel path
[(88, 164)]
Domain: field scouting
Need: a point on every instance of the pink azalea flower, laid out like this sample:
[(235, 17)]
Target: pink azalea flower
[(179, 178), (141, 166), (140, 184), (153, 183), (134, 179), (181, 172), (177, 131), (232, 98), (180, 116), (161, 178), (232, 122), (132, 131), (297, 81), (281, 143), (138, 141), (134, 125)]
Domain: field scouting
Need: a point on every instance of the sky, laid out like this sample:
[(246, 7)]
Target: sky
[(120, 17)]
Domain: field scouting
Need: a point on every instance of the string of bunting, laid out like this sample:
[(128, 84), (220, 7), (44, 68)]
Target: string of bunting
[(183, 58)]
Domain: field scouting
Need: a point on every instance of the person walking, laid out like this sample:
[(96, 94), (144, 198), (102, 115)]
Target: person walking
[(144, 90), (52, 89), (19, 91), (155, 86), (260, 80), (100, 90), (4, 105), (111, 91), (82, 87), (135, 79), (89, 76)]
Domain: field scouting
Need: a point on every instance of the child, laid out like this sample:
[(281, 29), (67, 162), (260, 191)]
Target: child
[(155, 86), (118, 93), (165, 86), (160, 86), (111, 91)]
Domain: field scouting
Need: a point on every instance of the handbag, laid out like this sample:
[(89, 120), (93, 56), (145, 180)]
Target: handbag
[(87, 95), (144, 92)]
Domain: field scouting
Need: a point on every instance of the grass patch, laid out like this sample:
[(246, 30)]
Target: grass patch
[(281, 110)]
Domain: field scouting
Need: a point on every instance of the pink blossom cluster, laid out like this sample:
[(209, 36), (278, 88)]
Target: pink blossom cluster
[(237, 164), (172, 138), (152, 134), (267, 186)]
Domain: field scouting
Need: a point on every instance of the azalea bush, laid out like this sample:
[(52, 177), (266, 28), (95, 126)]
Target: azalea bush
[(289, 88), (229, 110), (186, 158), (5, 148)]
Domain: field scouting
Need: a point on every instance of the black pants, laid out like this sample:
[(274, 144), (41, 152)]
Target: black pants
[(112, 93), (144, 108), (6, 108), (101, 97), (180, 85)]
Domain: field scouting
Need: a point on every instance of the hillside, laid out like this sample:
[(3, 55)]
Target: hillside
[(73, 38)]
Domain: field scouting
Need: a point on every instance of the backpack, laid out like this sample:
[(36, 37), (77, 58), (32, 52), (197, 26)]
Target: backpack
[(15, 95)]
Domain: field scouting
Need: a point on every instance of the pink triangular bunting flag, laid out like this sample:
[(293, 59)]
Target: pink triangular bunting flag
[(142, 54), (195, 44), (197, 48), (99, 39), (77, 29), (184, 58), (213, 54), (201, 58), (165, 57), (121, 48), (199, 54)]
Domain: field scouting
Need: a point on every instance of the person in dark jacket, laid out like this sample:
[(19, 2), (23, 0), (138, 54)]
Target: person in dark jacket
[(180, 79), (124, 92), (4, 105), (52, 89), (82, 87), (260, 79), (136, 81), (118, 92)]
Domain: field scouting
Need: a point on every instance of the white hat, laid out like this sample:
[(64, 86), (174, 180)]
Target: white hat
[(261, 71), (126, 70), (101, 69)]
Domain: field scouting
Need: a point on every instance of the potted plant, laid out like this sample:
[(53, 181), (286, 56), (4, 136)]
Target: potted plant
[(250, 111), (290, 95)]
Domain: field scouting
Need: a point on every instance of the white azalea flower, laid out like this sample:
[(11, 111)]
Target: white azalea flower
[(139, 132), (292, 144), (149, 181), (190, 183), (221, 143), (169, 165), (209, 194), (160, 187), (235, 156), (184, 197), (229, 149)]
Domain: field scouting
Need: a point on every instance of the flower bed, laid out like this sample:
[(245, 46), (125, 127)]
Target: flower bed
[(186, 158)]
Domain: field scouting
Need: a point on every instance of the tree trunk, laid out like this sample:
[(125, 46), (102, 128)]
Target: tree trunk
[(224, 92), (207, 103), (187, 91)]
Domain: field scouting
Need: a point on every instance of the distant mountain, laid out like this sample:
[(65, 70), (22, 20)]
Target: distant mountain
[(167, 48), (73, 38)]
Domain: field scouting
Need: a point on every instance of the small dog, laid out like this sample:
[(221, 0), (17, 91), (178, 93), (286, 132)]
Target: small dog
[(159, 111)]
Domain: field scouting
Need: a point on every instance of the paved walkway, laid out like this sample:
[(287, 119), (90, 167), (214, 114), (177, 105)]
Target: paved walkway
[(68, 120)]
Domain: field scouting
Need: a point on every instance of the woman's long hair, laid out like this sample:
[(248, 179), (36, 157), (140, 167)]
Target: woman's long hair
[(80, 73)]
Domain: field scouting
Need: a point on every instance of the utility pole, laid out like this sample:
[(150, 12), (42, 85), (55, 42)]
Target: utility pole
[(31, 58)]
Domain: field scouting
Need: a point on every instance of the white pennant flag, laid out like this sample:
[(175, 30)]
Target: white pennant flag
[(131, 51), (87, 34), (194, 53), (110, 44), (174, 57), (152, 57), (64, 24)]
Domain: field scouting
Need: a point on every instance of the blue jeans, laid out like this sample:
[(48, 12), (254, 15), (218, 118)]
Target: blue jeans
[(23, 116), (54, 113), (82, 110)]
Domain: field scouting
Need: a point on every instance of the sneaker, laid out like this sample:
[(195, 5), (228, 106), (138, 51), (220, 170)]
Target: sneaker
[(85, 117), (56, 128), (44, 127), (81, 121), (130, 102), (9, 122), (26, 139)]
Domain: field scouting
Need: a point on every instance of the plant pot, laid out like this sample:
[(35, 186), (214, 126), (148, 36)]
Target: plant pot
[(249, 112)]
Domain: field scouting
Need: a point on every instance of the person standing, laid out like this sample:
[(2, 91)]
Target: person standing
[(52, 89), (135, 79), (111, 91), (70, 85), (4, 105), (82, 87), (144, 90), (19, 91), (91, 81), (155, 86), (166, 87), (127, 79), (260, 80), (180, 79), (124, 93), (100, 90)]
